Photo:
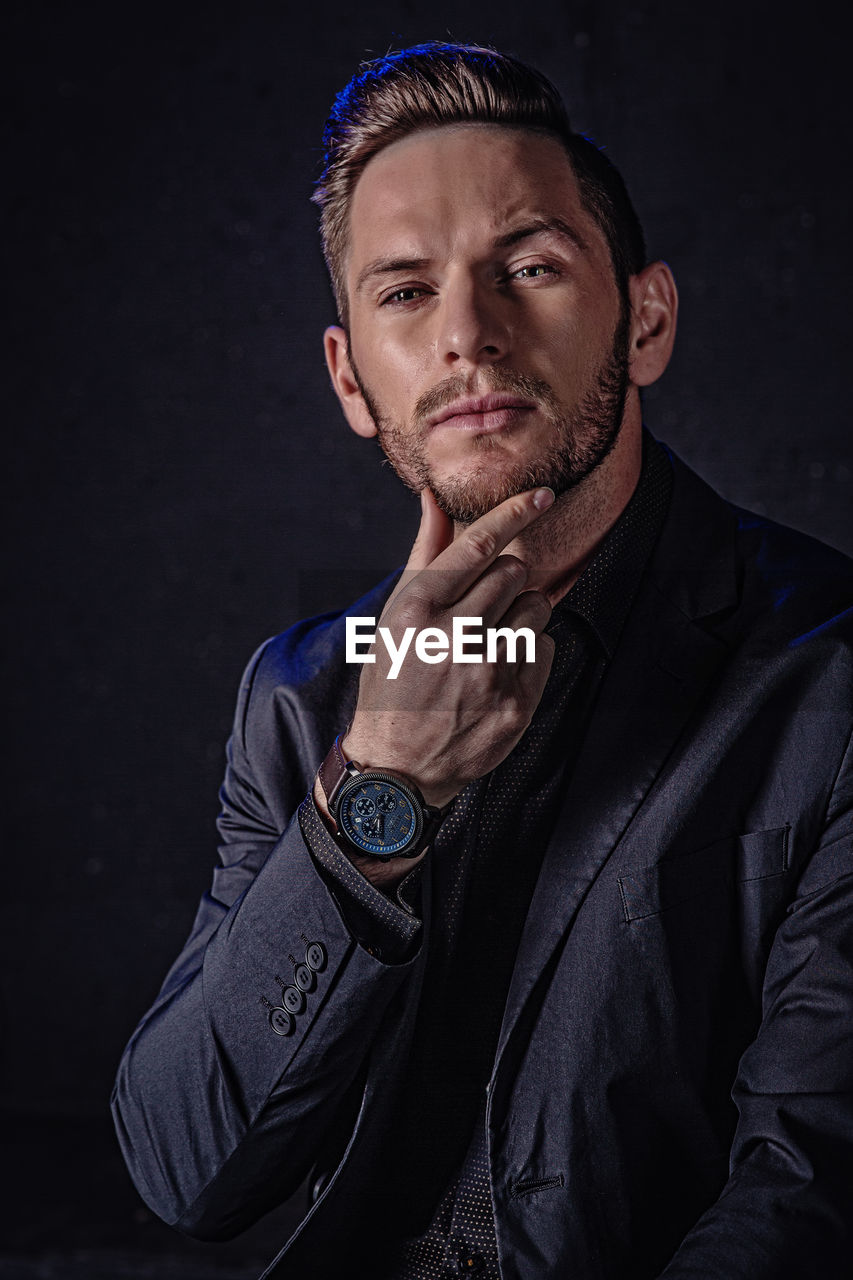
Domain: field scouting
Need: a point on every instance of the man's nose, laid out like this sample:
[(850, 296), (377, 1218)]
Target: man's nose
[(472, 326)]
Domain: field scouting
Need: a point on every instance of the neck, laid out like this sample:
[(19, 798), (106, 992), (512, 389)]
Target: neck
[(560, 544)]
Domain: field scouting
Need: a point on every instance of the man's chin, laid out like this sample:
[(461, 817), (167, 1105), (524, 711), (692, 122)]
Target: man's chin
[(466, 499)]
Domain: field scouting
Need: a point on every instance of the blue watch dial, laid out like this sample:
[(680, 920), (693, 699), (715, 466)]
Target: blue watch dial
[(377, 816)]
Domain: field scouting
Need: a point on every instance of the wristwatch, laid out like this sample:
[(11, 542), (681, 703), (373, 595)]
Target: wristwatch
[(376, 812)]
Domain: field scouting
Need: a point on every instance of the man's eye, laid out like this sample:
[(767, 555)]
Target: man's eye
[(410, 293), (534, 272)]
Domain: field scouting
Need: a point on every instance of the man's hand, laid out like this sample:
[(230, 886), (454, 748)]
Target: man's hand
[(445, 724)]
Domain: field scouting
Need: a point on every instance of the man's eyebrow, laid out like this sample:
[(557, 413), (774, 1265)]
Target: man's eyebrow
[(388, 266), (536, 227), (542, 226)]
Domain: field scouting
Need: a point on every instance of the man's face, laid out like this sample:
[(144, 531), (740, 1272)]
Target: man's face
[(487, 335)]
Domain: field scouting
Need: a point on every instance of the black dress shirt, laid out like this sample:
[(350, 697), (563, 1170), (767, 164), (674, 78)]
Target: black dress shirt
[(486, 858)]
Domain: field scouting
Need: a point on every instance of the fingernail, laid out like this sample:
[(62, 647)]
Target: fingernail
[(543, 498)]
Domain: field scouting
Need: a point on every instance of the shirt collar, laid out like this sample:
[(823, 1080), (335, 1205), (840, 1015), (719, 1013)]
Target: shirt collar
[(604, 592)]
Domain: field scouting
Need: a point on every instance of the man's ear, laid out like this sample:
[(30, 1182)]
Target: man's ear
[(357, 414), (654, 310)]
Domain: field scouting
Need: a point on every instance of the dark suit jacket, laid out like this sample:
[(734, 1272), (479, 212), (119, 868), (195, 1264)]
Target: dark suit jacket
[(672, 1093)]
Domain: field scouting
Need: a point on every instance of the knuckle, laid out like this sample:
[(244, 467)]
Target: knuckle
[(541, 604), (409, 613), (481, 543), (515, 716), (513, 568), (410, 608), (533, 607)]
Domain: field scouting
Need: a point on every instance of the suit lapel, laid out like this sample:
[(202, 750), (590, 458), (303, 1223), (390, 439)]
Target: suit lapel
[(662, 666)]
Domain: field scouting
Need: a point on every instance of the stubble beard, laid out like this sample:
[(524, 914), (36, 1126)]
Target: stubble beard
[(582, 437)]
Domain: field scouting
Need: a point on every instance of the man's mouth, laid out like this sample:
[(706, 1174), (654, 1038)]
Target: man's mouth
[(482, 414)]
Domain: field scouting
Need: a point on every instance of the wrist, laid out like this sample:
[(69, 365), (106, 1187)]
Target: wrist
[(372, 754), (382, 875), (376, 814)]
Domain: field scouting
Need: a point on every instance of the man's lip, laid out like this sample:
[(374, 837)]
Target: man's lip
[(479, 404)]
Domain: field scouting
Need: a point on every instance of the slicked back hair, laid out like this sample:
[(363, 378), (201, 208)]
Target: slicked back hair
[(429, 85)]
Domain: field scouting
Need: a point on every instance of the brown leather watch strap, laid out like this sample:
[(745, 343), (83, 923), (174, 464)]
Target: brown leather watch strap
[(333, 771)]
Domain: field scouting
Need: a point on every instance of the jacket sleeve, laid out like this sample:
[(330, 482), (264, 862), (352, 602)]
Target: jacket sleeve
[(786, 1211), (220, 1114)]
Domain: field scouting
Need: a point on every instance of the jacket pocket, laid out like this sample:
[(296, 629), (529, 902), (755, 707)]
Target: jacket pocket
[(758, 855)]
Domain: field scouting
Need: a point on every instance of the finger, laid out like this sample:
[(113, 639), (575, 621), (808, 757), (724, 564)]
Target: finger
[(533, 676), (466, 559), (529, 609), (495, 590), (532, 611), (435, 534), (513, 640)]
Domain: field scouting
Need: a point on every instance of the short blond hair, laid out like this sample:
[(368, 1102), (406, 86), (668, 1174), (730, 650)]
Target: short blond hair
[(435, 84)]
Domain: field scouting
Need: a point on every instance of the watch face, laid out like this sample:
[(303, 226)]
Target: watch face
[(378, 816)]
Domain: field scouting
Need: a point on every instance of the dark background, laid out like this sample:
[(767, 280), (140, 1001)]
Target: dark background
[(182, 479)]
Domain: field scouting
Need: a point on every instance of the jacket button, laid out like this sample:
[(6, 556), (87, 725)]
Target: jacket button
[(319, 1186), (281, 1022), (304, 977), (465, 1261), (315, 956), (293, 999)]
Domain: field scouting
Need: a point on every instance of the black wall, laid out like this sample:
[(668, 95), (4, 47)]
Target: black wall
[(181, 476)]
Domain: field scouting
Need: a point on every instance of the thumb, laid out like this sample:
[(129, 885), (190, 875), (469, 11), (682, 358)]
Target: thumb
[(435, 534)]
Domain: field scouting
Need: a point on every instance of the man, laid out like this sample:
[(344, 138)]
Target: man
[(548, 970)]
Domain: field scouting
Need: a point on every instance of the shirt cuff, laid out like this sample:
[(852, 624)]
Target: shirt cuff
[(386, 927)]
